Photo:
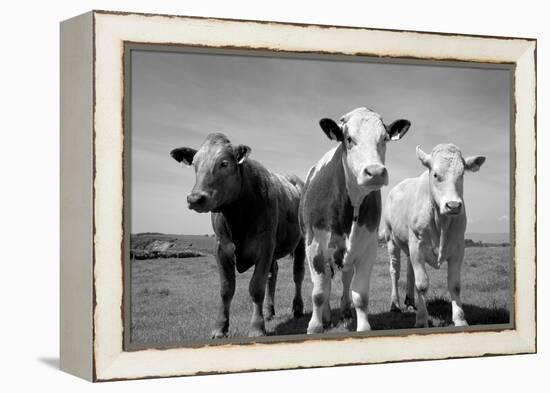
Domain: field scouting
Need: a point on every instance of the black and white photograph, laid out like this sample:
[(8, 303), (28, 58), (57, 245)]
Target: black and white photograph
[(290, 195), (213, 196)]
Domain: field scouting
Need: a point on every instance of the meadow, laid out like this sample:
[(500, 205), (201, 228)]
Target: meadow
[(175, 300)]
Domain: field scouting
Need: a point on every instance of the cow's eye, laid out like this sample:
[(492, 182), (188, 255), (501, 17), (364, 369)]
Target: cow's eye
[(349, 141), (224, 164), (437, 177)]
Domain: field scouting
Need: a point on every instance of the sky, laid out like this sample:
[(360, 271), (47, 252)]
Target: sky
[(274, 105)]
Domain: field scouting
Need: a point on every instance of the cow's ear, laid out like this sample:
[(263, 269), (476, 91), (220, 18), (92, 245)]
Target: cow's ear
[(473, 164), (398, 129), (332, 129), (424, 158), (184, 155), (241, 153)]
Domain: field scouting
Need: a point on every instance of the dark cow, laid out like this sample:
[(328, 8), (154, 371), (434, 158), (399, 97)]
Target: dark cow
[(341, 206), (255, 219)]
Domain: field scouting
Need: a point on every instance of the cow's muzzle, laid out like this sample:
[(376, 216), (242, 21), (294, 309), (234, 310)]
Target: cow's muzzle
[(374, 175), (452, 208), (198, 201)]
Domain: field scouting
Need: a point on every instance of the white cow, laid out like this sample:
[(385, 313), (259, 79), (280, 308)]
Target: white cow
[(341, 205), (425, 217)]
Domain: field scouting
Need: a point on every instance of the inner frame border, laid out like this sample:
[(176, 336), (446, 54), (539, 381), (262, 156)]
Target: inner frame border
[(130, 46)]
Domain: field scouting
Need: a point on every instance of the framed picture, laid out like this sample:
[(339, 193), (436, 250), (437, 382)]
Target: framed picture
[(245, 195)]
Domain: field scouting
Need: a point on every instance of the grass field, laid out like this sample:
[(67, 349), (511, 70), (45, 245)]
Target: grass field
[(176, 300)]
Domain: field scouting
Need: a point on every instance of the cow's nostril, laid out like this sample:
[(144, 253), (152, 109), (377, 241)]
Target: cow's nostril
[(196, 199), (375, 171), (453, 205)]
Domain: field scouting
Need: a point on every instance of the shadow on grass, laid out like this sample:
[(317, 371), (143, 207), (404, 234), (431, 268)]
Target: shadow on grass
[(299, 325), (475, 315), (439, 311)]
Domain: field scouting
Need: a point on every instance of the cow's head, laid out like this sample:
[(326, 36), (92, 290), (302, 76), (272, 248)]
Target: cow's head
[(217, 172), (446, 168), (364, 135)]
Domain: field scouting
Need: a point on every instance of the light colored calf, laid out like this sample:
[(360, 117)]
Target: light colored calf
[(425, 217), (341, 207)]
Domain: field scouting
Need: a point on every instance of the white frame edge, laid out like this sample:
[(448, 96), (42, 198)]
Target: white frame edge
[(76, 177), (111, 30)]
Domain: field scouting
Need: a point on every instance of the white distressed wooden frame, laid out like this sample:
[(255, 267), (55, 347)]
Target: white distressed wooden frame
[(92, 91)]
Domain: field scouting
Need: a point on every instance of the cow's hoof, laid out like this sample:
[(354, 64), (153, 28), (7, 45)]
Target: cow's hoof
[(347, 323), (395, 308), (346, 318), (409, 304), (460, 322), (421, 324), (364, 328), (256, 332), (298, 307), (269, 312), (315, 329), (217, 334)]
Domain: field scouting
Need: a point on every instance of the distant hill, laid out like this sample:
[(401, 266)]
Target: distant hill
[(158, 245), (488, 237)]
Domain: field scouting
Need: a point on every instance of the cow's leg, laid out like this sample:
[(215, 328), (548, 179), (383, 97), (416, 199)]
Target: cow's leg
[(453, 283), (298, 271), (320, 276), (257, 293), (327, 313), (421, 282), (360, 294), (347, 275), (345, 302), (269, 301), (360, 283), (395, 269), (409, 297), (225, 258)]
